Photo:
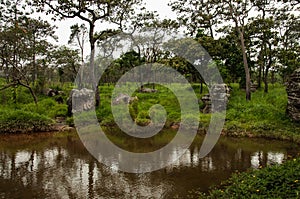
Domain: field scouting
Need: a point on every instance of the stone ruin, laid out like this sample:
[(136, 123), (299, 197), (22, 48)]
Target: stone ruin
[(293, 92), (220, 93)]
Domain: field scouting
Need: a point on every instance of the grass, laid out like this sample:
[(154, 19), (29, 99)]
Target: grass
[(139, 110), (277, 181), (19, 114), (19, 121), (264, 116)]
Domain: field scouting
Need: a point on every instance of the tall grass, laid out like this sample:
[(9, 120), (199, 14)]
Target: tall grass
[(264, 115)]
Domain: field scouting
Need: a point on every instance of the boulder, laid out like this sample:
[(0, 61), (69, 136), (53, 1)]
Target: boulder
[(147, 90), (293, 92), (52, 92), (124, 98)]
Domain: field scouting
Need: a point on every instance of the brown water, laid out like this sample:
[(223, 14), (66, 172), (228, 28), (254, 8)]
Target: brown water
[(56, 165)]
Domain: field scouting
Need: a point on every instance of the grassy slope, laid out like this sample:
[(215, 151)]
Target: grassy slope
[(24, 116)]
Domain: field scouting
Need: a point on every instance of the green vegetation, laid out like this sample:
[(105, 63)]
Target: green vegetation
[(277, 181), (16, 121), (23, 115), (263, 116), (262, 49)]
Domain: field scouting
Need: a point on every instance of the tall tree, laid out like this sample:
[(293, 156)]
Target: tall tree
[(37, 32), (16, 48), (197, 14), (92, 12), (67, 62), (288, 26), (264, 38), (238, 11)]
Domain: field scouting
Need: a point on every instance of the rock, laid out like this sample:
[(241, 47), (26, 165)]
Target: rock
[(51, 92), (147, 90), (68, 129), (206, 100), (59, 99), (175, 126), (60, 120), (293, 92), (56, 94), (220, 93), (124, 98)]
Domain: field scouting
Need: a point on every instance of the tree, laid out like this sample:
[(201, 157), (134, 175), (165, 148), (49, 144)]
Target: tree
[(22, 39), (67, 62), (91, 12), (78, 37), (197, 14), (230, 55), (37, 32), (262, 31), (288, 26), (238, 11)]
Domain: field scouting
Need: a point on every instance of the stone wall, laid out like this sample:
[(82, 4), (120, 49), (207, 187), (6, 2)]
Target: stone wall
[(293, 91)]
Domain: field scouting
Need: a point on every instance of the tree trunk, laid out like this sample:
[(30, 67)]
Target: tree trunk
[(246, 67), (242, 41), (266, 90), (95, 84), (267, 69), (259, 77)]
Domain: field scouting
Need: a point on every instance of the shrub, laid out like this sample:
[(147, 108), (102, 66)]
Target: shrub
[(48, 107), (277, 181), (14, 121)]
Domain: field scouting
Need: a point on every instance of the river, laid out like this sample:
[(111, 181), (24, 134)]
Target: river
[(56, 165)]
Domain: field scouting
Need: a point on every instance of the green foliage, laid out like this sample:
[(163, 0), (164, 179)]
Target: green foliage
[(134, 109), (143, 118), (15, 121), (264, 110), (70, 121), (277, 181), (48, 107)]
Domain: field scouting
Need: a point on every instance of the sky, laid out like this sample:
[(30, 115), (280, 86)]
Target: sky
[(63, 32)]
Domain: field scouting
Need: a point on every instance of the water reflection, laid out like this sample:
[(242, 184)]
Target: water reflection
[(62, 168)]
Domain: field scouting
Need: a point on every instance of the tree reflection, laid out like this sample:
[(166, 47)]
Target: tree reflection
[(63, 168)]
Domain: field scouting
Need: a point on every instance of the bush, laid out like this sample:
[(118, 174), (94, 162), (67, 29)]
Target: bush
[(48, 107), (14, 121), (278, 181)]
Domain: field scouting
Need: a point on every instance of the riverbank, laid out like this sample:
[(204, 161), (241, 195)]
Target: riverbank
[(276, 181), (264, 116)]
